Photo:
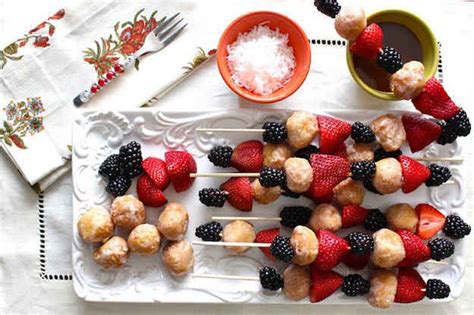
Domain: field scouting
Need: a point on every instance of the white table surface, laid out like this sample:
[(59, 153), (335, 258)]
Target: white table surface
[(21, 290)]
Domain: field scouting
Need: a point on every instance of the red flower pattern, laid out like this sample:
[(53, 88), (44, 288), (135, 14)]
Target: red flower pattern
[(133, 37), (41, 41)]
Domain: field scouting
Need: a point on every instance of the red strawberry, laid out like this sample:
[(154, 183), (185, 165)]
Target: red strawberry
[(331, 250), (148, 192), (240, 193), (333, 132), (156, 169), (414, 173), (353, 215), (430, 221), (267, 236), (323, 284), (248, 156), (356, 262), (341, 150), (416, 250), (369, 42), (434, 101), (180, 164), (410, 286), (420, 131), (328, 171)]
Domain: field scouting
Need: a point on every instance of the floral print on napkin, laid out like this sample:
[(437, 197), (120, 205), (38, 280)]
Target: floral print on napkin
[(22, 118), (39, 36)]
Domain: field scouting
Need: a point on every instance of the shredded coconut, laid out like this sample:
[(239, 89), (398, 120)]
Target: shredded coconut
[(261, 60)]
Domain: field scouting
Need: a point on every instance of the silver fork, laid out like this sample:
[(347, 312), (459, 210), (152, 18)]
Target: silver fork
[(166, 31)]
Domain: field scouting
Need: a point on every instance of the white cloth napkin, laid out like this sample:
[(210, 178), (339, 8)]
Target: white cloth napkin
[(47, 67)]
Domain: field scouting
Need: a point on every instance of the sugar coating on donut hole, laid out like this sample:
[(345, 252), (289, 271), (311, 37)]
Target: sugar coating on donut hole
[(402, 216), (388, 176), (296, 282), (95, 225), (275, 155), (127, 212), (325, 217), (302, 128), (178, 257), (409, 81), (350, 22), (173, 221), (238, 231), (112, 254), (144, 240), (383, 288), (349, 192), (389, 132), (388, 249), (359, 152), (299, 174), (305, 244), (265, 195)]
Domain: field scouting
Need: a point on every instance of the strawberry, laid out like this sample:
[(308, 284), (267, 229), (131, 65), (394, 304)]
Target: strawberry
[(149, 193), (341, 150), (434, 101), (248, 156), (323, 284), (328, 171), (369, 42), (430, 221), (156, 169), (240, 194), (180, 164), (420, 131), (410, 286), (416, 250), (356, 262), (331, 250), (353, 215), (267, 236), (333, 132), (414, 173)]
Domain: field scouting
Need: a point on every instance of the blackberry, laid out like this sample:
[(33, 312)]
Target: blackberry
[(293, 216), (209, 231), (390, 59), (275, 132), (437, 289), (381, 154), (448, 135), (439, 175), (212, 197), (362, 133), (355, 285), (118, 186), (328, 7), (271, 177), (370, 186), (455, 227), (363, 170), (440, 248), (221, 156), (360, 243), (375, 220), (460, 124), (110, 167), (281, 248), (130, 156), (270, 279), (306, 152)]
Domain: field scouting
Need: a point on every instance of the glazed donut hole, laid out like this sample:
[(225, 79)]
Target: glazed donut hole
[(383, 287), (275, 155), (127, 212), (95, 225), (325, 217), (173, 221), (388, 176), (402, 216), (388, 249), (112, 254), (265, 195), (144, 240), (305, 244), (238, 231), (178, 257), (297, 282), (299, 174), (302, 128)]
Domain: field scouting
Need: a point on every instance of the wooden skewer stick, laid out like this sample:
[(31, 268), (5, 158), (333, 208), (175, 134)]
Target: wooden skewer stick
[(246, 218), (209, 276), (440, 159), (232, 244), (229, 130)]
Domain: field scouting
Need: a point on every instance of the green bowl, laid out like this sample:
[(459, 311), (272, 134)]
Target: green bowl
[(425, 36)]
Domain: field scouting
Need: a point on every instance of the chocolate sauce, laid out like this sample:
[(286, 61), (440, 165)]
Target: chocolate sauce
[(403, 40)]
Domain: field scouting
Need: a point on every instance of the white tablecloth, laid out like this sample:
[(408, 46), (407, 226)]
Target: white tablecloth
[(22, 290)]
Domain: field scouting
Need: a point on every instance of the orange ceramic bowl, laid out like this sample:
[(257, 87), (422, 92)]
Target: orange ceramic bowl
[(297, 40)]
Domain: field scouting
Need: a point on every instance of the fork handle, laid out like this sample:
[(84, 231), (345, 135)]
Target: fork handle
[(120, 67)]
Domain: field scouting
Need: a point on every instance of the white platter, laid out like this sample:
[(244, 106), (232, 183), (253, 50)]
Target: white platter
[(98, 134)]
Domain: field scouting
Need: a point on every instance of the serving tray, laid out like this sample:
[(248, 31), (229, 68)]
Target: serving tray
[(98, 134)]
